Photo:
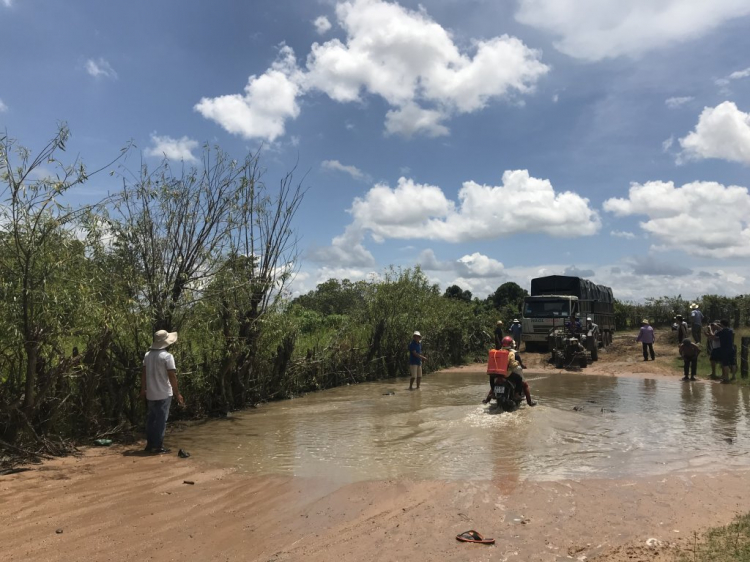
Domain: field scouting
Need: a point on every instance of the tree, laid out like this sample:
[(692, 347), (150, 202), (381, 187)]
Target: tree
[(455, 292), (509, 294), (40, 256)]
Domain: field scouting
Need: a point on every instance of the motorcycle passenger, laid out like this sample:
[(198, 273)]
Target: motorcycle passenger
[(515, 368)]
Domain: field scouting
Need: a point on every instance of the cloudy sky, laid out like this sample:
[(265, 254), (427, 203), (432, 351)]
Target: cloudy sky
[(485, 140)]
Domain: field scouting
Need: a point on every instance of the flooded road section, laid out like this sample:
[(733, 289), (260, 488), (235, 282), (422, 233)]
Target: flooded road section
[(584, 427)]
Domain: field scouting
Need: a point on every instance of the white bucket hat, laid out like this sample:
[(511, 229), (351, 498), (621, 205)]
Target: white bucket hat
[(417, 334), (163, 339)]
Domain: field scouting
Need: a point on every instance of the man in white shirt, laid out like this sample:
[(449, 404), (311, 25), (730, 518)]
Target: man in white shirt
[(158, 385)]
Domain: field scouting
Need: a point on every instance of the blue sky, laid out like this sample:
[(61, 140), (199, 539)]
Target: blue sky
[(486, 141)]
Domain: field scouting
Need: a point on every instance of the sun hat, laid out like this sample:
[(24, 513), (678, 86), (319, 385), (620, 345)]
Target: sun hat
[(588, 318), (417, 334), (644, 321), (500, 322), (693, 306), (515, 320), (163, 339)]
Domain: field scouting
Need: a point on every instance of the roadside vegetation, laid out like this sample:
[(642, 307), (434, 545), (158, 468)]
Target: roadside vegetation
[(730, 543), (210, 252)]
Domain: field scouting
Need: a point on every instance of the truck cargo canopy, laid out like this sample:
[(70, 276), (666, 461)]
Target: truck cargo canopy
[(565, 285)]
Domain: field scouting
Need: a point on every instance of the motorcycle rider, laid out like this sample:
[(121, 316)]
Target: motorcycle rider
[(513, 371)]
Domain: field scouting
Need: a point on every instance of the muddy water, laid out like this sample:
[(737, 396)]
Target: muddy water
[(621, 427)]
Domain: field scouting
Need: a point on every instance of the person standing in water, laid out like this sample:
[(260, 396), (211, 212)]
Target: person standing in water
[(415, 360)]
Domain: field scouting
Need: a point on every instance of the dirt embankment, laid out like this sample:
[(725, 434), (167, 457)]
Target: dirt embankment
[(117, 505), (112, 505)]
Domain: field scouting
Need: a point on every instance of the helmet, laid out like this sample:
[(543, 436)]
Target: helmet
[(507, 341)]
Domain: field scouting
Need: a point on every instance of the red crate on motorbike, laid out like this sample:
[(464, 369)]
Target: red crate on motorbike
[(497, 364)]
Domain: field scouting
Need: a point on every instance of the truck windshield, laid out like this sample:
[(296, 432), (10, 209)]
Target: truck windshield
[(546, 308)]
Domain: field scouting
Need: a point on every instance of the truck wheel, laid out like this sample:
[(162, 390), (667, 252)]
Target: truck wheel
[(559, 362), (595, 353), (583, 362)]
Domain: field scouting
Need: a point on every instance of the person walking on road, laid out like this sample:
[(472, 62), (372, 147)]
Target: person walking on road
[(415, 360), (516, 330), (158, 386), (689, 353), (646, 337), (696, 318)]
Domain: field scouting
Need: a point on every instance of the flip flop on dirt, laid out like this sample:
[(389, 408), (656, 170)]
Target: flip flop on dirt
[(473, 536)]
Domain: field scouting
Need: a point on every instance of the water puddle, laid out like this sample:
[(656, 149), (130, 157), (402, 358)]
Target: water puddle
[(584, 427)]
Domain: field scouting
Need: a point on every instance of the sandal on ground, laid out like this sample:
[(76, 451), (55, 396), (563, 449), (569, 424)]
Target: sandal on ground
[(473, 536), (725, 381), (685, 379)]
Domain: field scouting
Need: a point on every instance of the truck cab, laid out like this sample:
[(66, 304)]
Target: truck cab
[(542, 314)]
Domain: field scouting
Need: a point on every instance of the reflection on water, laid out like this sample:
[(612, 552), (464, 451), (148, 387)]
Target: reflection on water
[(621, 427)]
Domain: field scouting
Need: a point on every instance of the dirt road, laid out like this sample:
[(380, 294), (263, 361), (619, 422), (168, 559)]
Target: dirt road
[(115, 505)]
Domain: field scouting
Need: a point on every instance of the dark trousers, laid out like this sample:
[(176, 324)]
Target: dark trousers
[(156, 422), (648, 347), (690, 365), (697, 333)]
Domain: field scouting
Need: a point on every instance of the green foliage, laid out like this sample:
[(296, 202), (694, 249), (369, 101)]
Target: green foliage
[(509, 296), (730, 543), (456, 292)]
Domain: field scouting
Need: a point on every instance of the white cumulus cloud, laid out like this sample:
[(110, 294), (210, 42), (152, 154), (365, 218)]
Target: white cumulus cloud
[(705, 219), (402, 56), (722, 132), (353, 171), (173, 149), (3, 107), (482, 212), (597, 29), (622, 234), (345, 251), (269, 100), (322, 25), (100, 67)]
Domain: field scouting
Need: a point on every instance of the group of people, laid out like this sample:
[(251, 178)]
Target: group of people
[(719, 344)]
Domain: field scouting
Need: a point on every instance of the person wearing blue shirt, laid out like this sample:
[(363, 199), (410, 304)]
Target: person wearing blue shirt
[(415, 360)]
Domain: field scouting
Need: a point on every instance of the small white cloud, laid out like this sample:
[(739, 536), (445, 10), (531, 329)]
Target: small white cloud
[(7, 3), (704, 219), (3, 107), (100, 67), (353, 171), (322, 25), (722, 132), (667, 144), (173, 149), (622, 234), (555, 98), (740, 74), (674, 103)]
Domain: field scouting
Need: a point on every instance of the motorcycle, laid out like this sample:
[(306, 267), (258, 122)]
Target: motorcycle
[(506, 395)]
